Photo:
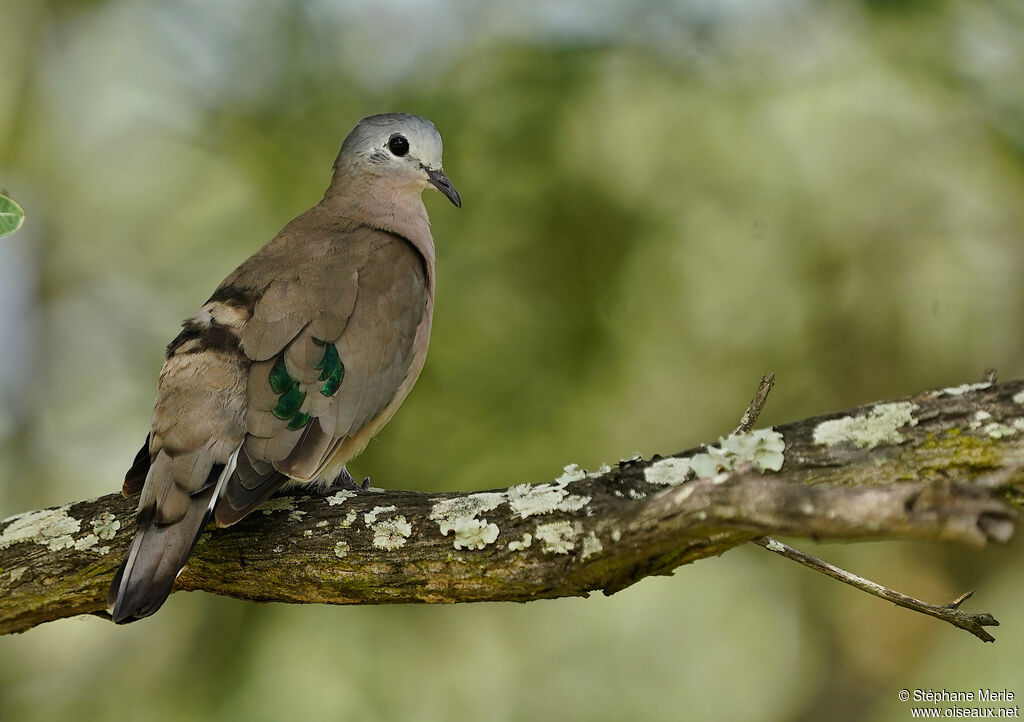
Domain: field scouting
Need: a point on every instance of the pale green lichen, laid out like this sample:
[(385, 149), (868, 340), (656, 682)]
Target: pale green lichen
[(980, 417), (17, 573), (667, 472), (459, 514), (447, 511), (558, 537), (349, 520), (1018, 398), (340, 497), (601, 471), (87, 542), (519, 544), (296, 515), (341, 550), (105, 525), (531, 499), (571, 473), (371, 516), (51, 528), (391, 534), (879, 426), (91, 547), (763, 448), (775, 546), (997, 431), (591, 546), (62, 542), (713, 460), (321, 524), (964, 388), (307, 533), (994, 429), (616, 535), (473, 533)]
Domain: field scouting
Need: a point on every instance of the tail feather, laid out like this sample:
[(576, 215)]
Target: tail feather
[(250, 486), (159, 553), (136, 476)]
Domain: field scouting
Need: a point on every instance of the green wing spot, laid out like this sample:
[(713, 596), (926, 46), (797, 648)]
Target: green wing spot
[(289, 403), (333, 382), (280, 380), (328, 362), (332, 370)]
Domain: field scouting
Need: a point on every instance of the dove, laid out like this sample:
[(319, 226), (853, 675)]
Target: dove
[(298, 358)]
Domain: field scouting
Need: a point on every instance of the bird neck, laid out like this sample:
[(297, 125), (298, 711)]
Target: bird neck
[(377, 202)]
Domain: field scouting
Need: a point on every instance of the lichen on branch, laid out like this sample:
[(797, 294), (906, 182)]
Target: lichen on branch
[(915, 468)]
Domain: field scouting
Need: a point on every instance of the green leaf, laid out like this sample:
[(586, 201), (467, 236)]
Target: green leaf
[(11, 216)]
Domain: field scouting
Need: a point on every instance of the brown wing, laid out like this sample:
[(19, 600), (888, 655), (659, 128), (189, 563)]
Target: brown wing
[(330, 347)]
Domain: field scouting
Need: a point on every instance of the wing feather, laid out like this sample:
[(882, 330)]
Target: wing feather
[(360, 308)]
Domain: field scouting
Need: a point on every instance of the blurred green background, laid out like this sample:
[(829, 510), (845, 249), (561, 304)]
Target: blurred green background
[(663, 200)]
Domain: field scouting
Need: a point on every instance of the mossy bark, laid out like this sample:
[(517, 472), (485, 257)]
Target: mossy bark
[(949, 479)]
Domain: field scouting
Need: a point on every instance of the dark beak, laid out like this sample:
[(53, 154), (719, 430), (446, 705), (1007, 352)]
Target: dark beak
[(440, 181)]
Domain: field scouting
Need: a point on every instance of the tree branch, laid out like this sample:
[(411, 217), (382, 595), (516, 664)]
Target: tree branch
[(973, 623), (951, 613), (921, 468), (756, 405)]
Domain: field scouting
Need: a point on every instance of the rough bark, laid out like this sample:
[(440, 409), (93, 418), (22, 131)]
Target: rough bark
[(939, 466)]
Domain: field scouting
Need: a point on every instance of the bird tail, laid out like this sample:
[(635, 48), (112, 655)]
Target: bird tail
[(159, 553)]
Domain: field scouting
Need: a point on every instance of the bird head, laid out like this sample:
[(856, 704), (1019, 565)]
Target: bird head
[(404, 148)]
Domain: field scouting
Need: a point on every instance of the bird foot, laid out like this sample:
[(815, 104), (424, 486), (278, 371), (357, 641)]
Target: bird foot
[(345, 481)]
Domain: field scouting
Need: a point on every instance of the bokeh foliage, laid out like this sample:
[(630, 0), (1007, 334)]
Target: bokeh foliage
[(663, 200)]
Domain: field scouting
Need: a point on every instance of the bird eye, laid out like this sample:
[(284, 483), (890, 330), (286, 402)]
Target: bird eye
[(398, 145)]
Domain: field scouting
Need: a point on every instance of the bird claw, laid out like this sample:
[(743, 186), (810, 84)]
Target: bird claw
[(345, 481)]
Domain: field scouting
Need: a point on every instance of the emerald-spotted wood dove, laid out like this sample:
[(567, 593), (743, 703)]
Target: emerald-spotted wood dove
[(297, 359)]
